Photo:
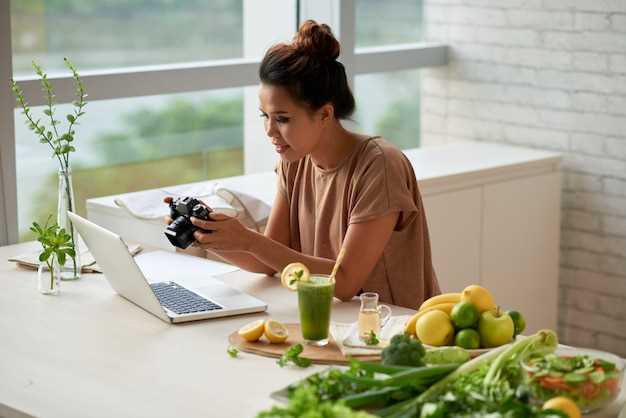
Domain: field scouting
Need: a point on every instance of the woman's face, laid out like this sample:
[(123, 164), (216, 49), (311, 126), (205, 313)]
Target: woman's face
[(291, 127)]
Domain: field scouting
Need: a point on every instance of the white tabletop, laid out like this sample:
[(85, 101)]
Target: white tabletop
[(88, 352)]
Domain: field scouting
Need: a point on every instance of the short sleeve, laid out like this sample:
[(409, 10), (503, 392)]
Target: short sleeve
[(281, 179), (385, 186)]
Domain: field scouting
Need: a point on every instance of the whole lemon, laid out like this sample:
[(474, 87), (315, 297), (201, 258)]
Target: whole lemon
[(435, 328), (479, 296), (563, 404)]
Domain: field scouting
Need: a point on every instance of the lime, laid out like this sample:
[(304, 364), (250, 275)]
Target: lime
[(464, 315), (518, 321), (467, 338)]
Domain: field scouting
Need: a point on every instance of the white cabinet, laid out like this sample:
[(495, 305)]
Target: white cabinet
[(520, 249), (493, 216), (454, 229)]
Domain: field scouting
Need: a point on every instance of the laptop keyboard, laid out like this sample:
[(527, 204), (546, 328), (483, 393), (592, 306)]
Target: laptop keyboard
[(180, 300)]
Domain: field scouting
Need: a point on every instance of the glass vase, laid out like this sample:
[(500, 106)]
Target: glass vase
[(48, 276), (71, 269)]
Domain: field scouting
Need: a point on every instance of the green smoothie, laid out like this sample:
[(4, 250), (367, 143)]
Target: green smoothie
[(315, 298)]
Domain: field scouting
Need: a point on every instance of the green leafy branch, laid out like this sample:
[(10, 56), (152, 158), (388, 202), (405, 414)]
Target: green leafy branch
[(61, 144), (56, 242)]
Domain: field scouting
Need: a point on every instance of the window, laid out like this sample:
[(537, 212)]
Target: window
[(126, 145), (389, 105), (388, 22), (100, 34), (171, 87)]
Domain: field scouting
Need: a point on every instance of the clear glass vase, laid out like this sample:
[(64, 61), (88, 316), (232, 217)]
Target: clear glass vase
[(71, 269), (49, 276)]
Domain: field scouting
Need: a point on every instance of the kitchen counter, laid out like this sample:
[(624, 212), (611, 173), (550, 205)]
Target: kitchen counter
[(89, 352)]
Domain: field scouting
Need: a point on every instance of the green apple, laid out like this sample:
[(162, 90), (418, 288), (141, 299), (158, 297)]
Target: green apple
[(495, 328), (518, 321)]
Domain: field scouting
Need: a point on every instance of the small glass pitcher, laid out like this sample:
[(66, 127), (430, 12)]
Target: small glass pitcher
[(370, 316)]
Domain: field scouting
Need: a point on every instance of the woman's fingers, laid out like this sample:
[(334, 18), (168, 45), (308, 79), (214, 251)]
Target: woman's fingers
[(167, 220), (203, 237), (206, 225), (218, 216)]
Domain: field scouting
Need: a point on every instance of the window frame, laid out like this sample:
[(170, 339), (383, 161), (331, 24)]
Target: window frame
[(185, 77)]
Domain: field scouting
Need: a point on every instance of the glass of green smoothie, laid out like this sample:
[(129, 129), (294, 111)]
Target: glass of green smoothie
[(315, 297)]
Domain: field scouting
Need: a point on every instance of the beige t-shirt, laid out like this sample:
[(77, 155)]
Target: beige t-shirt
[(374, 180)]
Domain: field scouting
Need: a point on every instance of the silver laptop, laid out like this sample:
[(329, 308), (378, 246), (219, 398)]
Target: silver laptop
[(167, 300)]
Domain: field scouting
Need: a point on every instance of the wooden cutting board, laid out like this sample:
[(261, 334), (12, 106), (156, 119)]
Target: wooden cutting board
[(329, 354)]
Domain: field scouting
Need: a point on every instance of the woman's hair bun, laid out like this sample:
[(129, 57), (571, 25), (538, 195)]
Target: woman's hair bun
[(316, 40)]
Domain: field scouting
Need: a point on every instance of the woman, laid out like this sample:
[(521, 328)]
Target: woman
[(335, 188)]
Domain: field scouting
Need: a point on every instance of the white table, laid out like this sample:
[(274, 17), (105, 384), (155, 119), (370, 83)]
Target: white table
[(88, 352)]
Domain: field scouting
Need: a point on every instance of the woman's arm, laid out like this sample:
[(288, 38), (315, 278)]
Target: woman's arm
[(364, 244), (277, 229)]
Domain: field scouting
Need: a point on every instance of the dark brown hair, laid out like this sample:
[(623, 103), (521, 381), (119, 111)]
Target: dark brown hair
[(308, 68)]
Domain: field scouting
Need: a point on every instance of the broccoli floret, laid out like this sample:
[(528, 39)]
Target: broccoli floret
[(403, 351)]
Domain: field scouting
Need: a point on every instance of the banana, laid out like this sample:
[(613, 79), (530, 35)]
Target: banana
[(409, 327), (443, 298)]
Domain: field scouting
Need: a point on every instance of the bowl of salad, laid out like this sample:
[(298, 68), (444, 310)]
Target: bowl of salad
[(591, 378)]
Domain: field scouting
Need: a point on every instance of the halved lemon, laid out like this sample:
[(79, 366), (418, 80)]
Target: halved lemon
[(292, 274), (276, 332), (253, 331)]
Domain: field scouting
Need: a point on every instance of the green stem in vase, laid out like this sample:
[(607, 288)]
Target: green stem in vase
[(50, 264)]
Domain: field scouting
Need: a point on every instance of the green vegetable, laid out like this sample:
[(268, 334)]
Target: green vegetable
[(403, 351), (371, 385), (378, 367), (304, 403), (420, 377), (292, 354), (372, 339), (446, 355), (484, 385), (232, 351)]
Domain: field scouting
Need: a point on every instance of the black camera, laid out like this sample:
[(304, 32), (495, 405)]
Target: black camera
[(180, 231)]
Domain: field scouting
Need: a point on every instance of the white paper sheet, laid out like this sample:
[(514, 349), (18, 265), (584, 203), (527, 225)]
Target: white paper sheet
[(165, 265)]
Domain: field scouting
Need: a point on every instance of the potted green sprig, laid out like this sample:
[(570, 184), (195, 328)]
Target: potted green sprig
[(61, 144), (57, 246)]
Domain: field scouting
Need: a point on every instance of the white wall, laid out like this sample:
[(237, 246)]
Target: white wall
[(548, 74)]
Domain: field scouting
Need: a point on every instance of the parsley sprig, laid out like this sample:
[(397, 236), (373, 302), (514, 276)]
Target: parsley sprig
[(292, 354), (372, 338), (55, 242), (232, 351)]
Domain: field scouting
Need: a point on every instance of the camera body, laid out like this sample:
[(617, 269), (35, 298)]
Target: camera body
[(180, 231)]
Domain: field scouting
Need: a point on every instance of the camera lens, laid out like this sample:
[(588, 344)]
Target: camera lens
[(180, 232)]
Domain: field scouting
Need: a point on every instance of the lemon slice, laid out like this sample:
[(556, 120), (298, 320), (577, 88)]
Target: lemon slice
[(292, 274), (276, 332), (252, 332)]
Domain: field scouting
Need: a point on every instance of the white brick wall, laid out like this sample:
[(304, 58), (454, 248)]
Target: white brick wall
[(548, 74)]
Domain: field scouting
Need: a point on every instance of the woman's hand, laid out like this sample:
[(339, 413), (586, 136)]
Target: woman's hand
[(226, 233)]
